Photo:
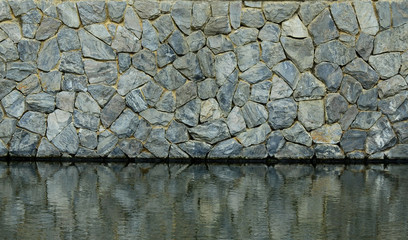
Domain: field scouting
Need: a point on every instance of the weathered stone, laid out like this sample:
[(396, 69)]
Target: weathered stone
[(282, 113), (145, 60), (71, 62), (397, 114), (361, 71), (300, 51), (14, 104), (196, 149), (365, 120), (100, 31), (177, 132), (328, 151), (359, 155), (41, 102), (399, 16), (380, 137), (279, 11), (366, 17), (404, 64), (322, 28), (275, 142), (147, 9), (210, 132), (399, 151), (297, 134), (150, 39), (181, 14), (353, 140), (219, 8), (67, 140), (260, 92), (28, 49), (176, 152), (384, 14), (106, 143), (143, 130), (401, 129), (294, 151), (309, 10), (7, 128), (235, 14), (124, 61), (189, 113), (91, 12), (165, 55), (239, 37), (101, 72), (391, 104), (72, 82), (29, 85), (132, 79), (68, 39), (254, 114), (152, 92), (116, 153), (186, 93), (327, 134), (94, 48), (391, 86), (242, 92), (155, 117), (365, 45), (48, 27), (5, 13), (56, 122), (219, 44), (226, 149), (8, 51), (225, 64), (293, 27), (85, 120), (207, 88), (350, 89), (101, 93), (24, 143), (256, 73), (254, 136), (116, 10), (136, 101), (387, 64), (170, 78), (2, 69), (132, 22), (334, 52), (65, 101), (217, 25), (209, 110), (178, 43), (46, 149), (309, 88), (347, 39), (88, 138), (196, 41), (125, 125), (288, 71), (131, 147), (189, 66), (18, 71), (49, 55), (252, 17), (225, 95), (34, 122), (125, 41), (68, 14), (167, 102), (6, 87), (12, 29), (368, 99), (86, 103), (343, 14), (86, 153), (280, 89), (348, 117), (311, 114), (248, 55), (20, 7), (164, 26), (33, 16), (201, 13), (236, 122)]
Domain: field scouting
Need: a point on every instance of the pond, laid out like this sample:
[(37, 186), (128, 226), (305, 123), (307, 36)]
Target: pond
[(175, 201)]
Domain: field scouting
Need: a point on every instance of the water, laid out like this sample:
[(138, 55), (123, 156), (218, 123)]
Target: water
[(159, 201)]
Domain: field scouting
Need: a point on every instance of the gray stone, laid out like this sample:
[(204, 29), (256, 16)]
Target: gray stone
[(41, 102), (386, 64), (368, 99), (131, 147), (288, 71), (269, 32), (207, 88), (178, 43), (254, 114), (150, 39), (145, 60), (2, 69), (164, 26), (116, 153), (225, 95), (279, 11), (300, 51), (170, 78), (71, 62), (219, 44), (165, 55), (20, 7), (56, 122), (343, 14), (350, 89), (125, 41), (5, 13), (101, 72), (196, 41), (49, 55), (86, 153), (309, 10), (46, 149), (242, 92), (380, 137), (106, 143), (33, 16), (359, 155), (282, 113), (24, 143), (157, 144), (209, 110), (353, 140), (275, 142), (147, 9), (206, 60), (181, 14), (124, 62), (399, 16), (29, 30), (236, 121), (88, 138), (155, 117), (251, 17), (330, 134), (361, 71), (65, 101), (399, 151), (247, 35), (132, 79), (248, 55), (100, 31), (254, 136), (366, 17), (294, 151), (196, 149), (392, 104), (404, 64), (116, 11), (143, 129), (86, 103), (152, 92), (260, 92), (365, 45), (177, 132), (7, 128), (67, 140), (311, 114), (365, 120), (86, 120), (328, 151), (6, 87), (48, 27), (28, 49), (225, 64), (68, 39), (29, 85), (34, 122), (186, 93), (235, 14), (201, 13), (8, 51), (68, 14), (334, 52), (226, 149), (309, 88), (293, 27), (72, 82), (189, 66), (12, 29), (398, 114), (256, 73), (401, 129), (14, 104), (94, 48), (132, 22), (167, 102), (322, 28), (384, 14), (91, 12), (136, 101), (297, 134), (210, 132), (391, 86), (189, 113), (347, 39), (125, 125), (18, 71), (176, 152), (280, 89), (101, 93), (219, 8), (348, 117), (217, 25)]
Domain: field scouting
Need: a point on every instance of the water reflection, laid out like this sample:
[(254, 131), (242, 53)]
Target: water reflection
[(148, 201)]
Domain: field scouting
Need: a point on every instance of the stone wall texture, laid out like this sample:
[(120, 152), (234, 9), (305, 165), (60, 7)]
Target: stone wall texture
[(211, 79)]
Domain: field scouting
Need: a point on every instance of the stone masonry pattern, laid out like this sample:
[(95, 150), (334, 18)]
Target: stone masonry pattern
[(211, 79)]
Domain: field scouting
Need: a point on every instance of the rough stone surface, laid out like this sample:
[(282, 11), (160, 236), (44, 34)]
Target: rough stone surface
[(350, 89), (236, 121), (288, 72), (297, 134), (353, 140), (344, 16), (322, 28), (329, 134), (294, 151), (278, 12), (24, 143), (386, 65), (226, 149), (254, 114), (254, 136), (282, 113), (328, 151), (309, 88), (210, 132), (311, 114), (94, 48), (334, 52), (380, 137), (300, 51), (361, 71), (68, 14), (34, 122), (366, 17)]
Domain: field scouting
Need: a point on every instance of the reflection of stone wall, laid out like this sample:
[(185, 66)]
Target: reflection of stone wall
[(204, 79)]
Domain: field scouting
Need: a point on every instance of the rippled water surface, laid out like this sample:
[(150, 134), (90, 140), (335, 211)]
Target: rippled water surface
[(160, 201)]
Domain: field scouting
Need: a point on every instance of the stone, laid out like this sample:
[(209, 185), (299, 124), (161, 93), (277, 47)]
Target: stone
[(7, 127), (347, 39), (399, 151), (368, 99), (124, 61), (186, 93), (181, 14), (86, 120), (72, 82), (311, 114), (132, 79), (248, 55), (328, 151), (380, 137), (297, 134), (106, 143), (150, 39), (5, 13), (165, 55), (348, 117), (392, 86), (384, 14), (125, 41), (256, 73), (206, 60), (207, 88), (56, 122), (46, 149), (94, 48), (33, 16), (309, 88), (177, 132), (309, 10), (28, 50), (6, 87), (170, 78), (254, 136), (86, 103), (365, 45), (18, 71), (155, 117), (167, 102), (275, 142), (209, 110), (132, 22), (68, 14), (404, 64), (353, 140), (147, 9), (143, 130), (225, 64), (14, 104), (386, 64), (366, 17), (136, 101), (288, 72), (65, 101), (29, 85), (189, 113), (236, 121), (41, 102), (20, 7), (322, 28), (196, 149), (401, 129), (67, 140), (101, 72), (226, 149), (260, 92), (116, 153), (251, 17), (242, 93), (178, 43), (279, 11), (210, 132), (125, 124), (293, 27), (116, 11), (100, 31), (131, 147), (164, 26), (235, 14), (48, 27), (91, 12), (2, 69), (24, 143), (12, 29), (241, 36), (101, 93), (189, 66), (217, 25), (361, 71), (254, 114), (8, 51), (394, 108), (225, 95), (300, 51), (145, 60), (176, 153), (68, 39), (358, 155), (152, 92), (334, 52), (34, 122), (329, 134), (282, 113), (344, 16), (280, 89), (219, 8), (399, 16), (201, 13), (365, 120), (350, 89), (88, 138), (49, 55), (196, 41), (294, 151), (71, 62), (86, 153), (219, 44)]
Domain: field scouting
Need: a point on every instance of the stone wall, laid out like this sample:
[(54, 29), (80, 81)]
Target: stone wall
[(191, 79)]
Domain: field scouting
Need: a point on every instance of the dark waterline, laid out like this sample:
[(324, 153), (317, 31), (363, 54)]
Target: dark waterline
[(202, 201)]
